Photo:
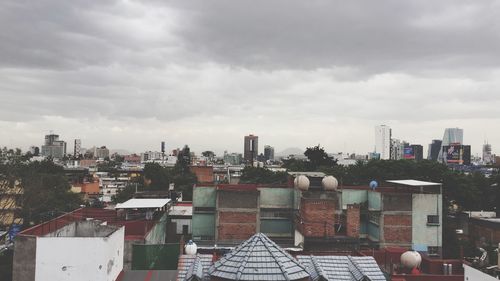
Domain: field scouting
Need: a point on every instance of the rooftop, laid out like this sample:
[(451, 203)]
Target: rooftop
[(308, 174), (143, 203), (414, 183)]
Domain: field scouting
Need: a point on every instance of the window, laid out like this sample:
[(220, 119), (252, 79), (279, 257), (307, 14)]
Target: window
[(433, 220), (185, 229), (433, 251)]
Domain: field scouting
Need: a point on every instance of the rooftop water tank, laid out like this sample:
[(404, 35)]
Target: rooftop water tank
[(411, 259), (301, 182), (330, 183)]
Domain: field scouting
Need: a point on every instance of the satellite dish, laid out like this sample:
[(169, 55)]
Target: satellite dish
[(373, 185)]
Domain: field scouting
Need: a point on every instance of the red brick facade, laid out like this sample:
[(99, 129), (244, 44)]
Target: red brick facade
[(237, 225), (353, 220), (317, 217), (397, 229)]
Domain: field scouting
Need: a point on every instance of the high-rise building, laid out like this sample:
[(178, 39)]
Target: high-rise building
[(268, 152), (397, 149), (456, 153), (251, 148), (488, 158), (418, 152), (451, 136), (101, 152), (383, 141), (54, 147), (434, 148), (77, 149)]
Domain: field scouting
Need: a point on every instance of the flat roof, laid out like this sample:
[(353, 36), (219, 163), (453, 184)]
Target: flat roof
[(414, 182), (308, 174), (143, 203)]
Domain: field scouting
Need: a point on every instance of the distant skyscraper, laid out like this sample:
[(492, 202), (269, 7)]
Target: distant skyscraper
[(101, 152), (451, 136), (383, 141), (434, 148), (269, 152), (54, 147), (487, 156), (251, 148), (397, 149), (77, 149)]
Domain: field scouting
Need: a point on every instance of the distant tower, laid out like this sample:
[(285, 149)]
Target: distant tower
[(383, 141), (268, 152), (251, 148), (77, 148), (487, 156), (451, 135), (163, 150), (434, 149)]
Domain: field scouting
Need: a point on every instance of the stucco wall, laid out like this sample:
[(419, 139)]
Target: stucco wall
[(204, 197), (424, 235), (276, 197), (80, 258)]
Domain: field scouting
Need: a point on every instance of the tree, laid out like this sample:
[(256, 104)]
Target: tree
[(209, 154), (318, 157), (257, 175), (157, 177)]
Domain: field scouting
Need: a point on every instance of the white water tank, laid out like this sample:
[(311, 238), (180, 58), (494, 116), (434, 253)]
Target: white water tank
[(411, 259), (301, 182), (330, 183), (191, 248)]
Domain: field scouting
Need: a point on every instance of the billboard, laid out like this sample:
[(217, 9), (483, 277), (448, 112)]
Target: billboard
[(409, 153), (454, 153)]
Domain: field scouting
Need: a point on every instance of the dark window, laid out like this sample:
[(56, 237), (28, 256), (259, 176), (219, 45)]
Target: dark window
[(185, 229), (433, 219), (433, 251)]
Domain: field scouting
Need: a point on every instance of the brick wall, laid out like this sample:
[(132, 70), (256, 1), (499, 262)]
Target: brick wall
[(397, 228), (204, 174), (317, 217), (236, 225), (353, 220)]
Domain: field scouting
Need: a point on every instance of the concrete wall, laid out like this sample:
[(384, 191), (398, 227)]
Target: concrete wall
[(426, 235), (374, 201), (203, 225), (80, 258), (276, 197), (352, 196), (24, 258), (204, 197), (179, 224)]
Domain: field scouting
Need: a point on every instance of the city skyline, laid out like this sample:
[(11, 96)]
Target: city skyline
[(176, 71)]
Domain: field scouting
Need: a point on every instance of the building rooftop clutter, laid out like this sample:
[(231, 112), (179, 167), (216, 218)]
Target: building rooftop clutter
[(143, 203), (308, 174), (346, 268), (259, 258)]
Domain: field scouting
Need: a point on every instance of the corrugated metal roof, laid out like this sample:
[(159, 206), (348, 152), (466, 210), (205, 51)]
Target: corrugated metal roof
[(258, 258), (143, 203), (413, 182)]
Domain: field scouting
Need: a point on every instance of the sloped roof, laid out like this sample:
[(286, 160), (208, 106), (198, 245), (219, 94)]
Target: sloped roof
[(258, 258), (186, 267), (342, 268)]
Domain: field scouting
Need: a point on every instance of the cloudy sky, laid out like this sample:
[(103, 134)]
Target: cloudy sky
[(129, 74)]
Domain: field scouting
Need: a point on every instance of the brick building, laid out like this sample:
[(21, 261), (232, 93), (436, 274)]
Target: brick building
[(318, 218)]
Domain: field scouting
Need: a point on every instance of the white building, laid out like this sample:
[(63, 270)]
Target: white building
[(383, 141), (79, 251)]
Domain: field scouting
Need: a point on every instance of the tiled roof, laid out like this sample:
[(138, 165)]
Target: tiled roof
[(258, 258), (342, 268), (189, 264)]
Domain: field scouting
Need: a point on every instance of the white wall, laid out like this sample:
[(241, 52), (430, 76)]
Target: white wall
[(472, 274), (423, 234), (180, 223), (80, 258)]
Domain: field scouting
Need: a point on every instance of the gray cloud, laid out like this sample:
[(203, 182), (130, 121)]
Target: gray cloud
[(131, 73)]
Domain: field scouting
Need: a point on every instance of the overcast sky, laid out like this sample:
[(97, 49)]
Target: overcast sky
[(129, 74)]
